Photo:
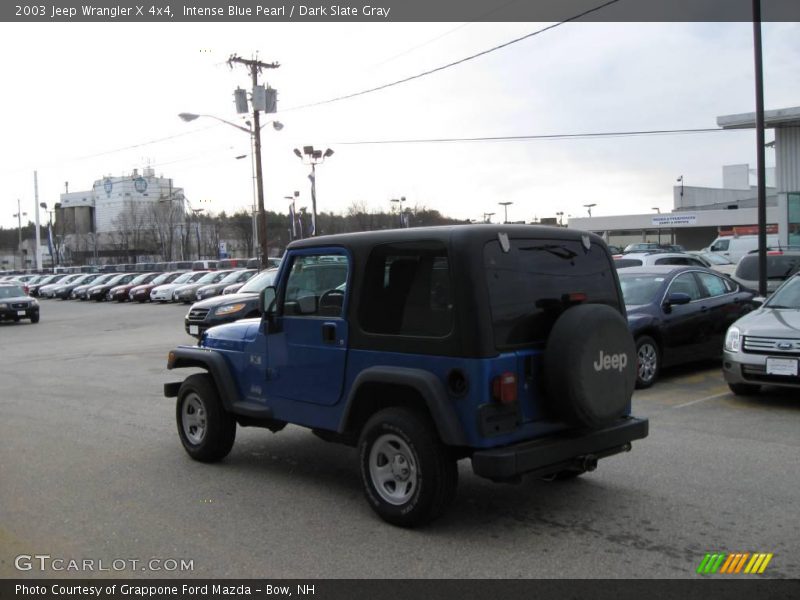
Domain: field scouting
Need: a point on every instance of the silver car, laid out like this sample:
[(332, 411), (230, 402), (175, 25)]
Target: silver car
[(763, 347), (781, 264)]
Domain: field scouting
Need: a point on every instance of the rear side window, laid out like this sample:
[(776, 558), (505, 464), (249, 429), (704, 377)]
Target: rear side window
[(621, 263), (536, 280), (407, 291), (779, 266), (715, 286)]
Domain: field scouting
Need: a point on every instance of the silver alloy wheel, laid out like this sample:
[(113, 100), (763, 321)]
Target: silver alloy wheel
[(648, 362), (393, 469), (193, 418)]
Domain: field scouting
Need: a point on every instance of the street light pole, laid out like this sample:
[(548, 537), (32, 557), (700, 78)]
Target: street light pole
[(255, 133), (19, 216), (313, 157), (505, 209), (400, 201)]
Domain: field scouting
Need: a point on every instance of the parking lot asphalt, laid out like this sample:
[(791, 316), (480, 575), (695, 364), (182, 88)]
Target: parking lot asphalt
[(91, 468)]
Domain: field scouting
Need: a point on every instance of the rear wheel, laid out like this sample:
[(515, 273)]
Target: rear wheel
[(409, 476), (744, 389), (206, 429), (648, 361)]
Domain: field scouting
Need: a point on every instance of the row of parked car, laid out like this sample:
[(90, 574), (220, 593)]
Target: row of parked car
[(685, 307), (218, 296)]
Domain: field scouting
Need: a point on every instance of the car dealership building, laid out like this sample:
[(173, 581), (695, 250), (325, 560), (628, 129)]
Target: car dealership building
[(701, 214)]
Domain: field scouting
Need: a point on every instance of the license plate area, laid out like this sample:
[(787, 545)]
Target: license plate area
[(194, 329), (21, 313), (786, 367)]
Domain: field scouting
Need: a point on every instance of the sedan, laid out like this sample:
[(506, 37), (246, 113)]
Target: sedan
[(163, 293), (79, 291), (98, 292), (15, 304), (763, 347), (64, 289), (49, 290), (679, 315), (188, 293), (120, 292), (33, 289), (141, 293)]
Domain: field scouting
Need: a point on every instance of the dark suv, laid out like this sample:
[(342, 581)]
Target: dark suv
[(504, 344)]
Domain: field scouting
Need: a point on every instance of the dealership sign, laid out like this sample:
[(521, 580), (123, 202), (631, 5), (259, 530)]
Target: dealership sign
[(674, 220)]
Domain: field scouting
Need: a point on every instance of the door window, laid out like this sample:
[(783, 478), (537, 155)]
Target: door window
[(685, 283), (315, 286)]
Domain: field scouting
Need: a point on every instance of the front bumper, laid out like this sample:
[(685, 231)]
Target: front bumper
[(745, 367), (577, 450), (19, 313)]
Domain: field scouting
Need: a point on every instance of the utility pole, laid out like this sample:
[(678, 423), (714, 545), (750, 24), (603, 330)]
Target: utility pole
[(255, 67)]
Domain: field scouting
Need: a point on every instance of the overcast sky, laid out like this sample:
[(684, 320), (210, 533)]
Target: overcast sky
[(81, 101)]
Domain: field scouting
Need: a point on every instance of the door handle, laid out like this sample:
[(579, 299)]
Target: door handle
[(328, 333)]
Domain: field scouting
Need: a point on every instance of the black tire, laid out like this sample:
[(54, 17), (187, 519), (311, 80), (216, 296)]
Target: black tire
[(35, 318), (744, 389), (648, 362), (206, 429), (421, 464)]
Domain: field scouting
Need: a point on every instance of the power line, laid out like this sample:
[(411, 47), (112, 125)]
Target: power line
[(455, 63), (554, 136)]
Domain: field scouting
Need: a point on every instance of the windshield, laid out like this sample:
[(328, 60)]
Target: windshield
[(144, 278), (11, 291), (231, 277), (639, 289), (715, 259), (259, 282), (185, 277), (212, 277), (787, 296)]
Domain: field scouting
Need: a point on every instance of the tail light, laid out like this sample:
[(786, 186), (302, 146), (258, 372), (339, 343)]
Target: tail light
[(574, 298), (504, 388)]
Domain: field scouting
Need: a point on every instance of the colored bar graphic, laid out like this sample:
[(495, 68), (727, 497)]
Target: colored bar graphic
[(733, 563)]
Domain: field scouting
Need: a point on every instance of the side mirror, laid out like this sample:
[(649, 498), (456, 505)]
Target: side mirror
[(266, 300), (677, 298)]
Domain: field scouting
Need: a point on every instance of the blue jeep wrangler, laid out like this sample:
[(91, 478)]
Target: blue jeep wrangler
[(504, 344)]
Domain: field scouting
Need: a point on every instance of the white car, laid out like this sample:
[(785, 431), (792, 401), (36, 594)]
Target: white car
[(163, 293), (648, 259)]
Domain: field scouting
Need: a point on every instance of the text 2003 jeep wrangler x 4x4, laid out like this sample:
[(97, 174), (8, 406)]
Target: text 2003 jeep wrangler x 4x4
[(506, 344)]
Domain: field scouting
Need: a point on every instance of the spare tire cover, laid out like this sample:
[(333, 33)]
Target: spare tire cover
[(590, 365)]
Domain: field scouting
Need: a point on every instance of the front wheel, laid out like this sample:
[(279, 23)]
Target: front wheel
[(648, 361), (206, 429), (35, 318), (409, 476)]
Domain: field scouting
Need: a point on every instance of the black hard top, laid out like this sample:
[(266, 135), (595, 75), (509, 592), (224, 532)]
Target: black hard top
[(455, 234)]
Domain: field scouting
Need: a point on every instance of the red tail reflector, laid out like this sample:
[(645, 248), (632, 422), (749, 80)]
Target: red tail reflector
[(574, 298), (504, 388)]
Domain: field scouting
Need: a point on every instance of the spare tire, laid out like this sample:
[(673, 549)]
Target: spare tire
[(590, 366)]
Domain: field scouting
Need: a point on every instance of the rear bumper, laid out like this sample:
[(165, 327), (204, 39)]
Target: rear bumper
[(571, 450)]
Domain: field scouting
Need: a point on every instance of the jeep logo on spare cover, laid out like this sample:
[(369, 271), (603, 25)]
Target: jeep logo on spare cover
[(605, 362), (421, 347)]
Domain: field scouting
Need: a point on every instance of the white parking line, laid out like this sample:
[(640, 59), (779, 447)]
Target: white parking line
[(720, 395)]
